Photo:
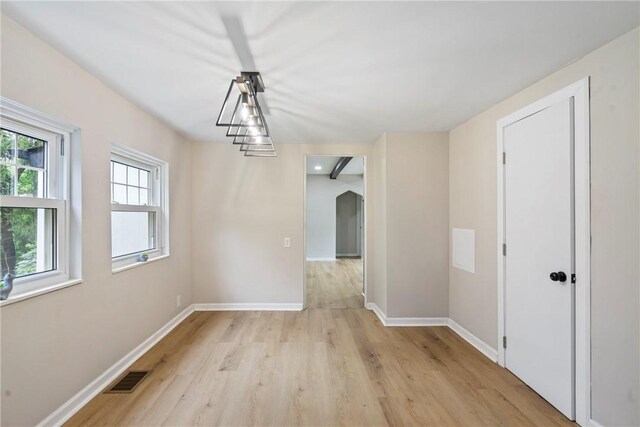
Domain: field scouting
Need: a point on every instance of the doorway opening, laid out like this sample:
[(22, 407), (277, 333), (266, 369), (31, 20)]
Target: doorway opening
[(335, 232)]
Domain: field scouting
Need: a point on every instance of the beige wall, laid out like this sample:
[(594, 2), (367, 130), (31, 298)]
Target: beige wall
[(417, 224), (55, 344), (411, 224), (243, 208), (615, 201)]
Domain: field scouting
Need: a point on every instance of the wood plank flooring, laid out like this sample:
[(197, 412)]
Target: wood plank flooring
[(335, 284), (318, 367)]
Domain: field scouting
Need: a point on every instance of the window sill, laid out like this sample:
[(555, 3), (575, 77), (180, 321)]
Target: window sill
[(37, 292), (138, 264)]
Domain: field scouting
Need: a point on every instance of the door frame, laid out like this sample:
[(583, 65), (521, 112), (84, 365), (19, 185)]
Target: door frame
[(579, 91), (304, 224)]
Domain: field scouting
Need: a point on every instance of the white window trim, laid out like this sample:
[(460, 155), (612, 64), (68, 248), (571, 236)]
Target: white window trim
[(160, 190), (67, 179)]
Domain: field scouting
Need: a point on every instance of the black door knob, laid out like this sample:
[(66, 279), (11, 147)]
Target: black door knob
[(560, 276)]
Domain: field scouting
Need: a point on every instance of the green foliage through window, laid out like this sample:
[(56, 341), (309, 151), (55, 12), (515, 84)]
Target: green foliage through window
[(18, 233), (22, 173)]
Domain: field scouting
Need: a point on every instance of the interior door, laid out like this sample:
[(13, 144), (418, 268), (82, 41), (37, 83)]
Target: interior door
[(539, 308)]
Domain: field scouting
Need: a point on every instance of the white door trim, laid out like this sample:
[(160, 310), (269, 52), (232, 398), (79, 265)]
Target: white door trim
[(579, 91), (304, 224)]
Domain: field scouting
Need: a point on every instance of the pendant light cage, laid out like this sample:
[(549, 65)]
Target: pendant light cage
[(245, 122)]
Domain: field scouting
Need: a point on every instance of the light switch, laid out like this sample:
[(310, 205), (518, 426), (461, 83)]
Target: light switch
[(287, 242)]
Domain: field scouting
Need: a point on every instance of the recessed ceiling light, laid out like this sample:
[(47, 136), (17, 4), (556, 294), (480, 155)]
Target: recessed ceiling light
[(318, 167)]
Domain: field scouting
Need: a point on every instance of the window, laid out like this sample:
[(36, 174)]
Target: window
[(138, 207), (34, 193)]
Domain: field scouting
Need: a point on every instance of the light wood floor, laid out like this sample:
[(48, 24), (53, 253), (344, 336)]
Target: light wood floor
[(321, 366), (335, 284)]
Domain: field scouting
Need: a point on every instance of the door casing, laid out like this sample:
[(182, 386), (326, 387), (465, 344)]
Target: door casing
[(579, 91)]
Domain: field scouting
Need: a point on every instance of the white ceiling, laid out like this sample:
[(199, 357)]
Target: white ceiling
[(340, 72), (354, 167)]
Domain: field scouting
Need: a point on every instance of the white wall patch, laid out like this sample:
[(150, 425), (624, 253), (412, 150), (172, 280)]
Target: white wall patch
[(464, 249)]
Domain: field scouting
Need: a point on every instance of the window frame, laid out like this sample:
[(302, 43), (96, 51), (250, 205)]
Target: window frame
[(158, 198), (57, 196)]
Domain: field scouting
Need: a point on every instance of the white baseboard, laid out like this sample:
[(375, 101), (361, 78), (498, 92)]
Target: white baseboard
[(480, 345), (249, 307), (374, 307), (73, 405), (593, 423), (320, 259), (406, 321), (416, 321)]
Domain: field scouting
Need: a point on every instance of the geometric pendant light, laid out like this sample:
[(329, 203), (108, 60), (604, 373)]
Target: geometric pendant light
[(245, 122)]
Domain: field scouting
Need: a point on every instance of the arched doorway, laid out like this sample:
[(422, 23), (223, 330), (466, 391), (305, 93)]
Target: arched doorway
[(349, 223)]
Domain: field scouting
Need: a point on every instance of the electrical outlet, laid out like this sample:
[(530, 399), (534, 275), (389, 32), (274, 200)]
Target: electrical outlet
[(287, 242), (178, 301)]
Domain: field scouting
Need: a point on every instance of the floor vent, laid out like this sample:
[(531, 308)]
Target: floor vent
[(128, 382)]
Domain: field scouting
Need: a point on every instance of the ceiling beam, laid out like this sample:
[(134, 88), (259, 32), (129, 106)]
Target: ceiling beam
[(340, 164)]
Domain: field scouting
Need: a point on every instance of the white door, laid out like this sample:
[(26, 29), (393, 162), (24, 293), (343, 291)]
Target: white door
[(539, 312)]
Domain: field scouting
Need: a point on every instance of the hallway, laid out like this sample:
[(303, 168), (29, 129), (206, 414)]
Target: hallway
[(335, 284)]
